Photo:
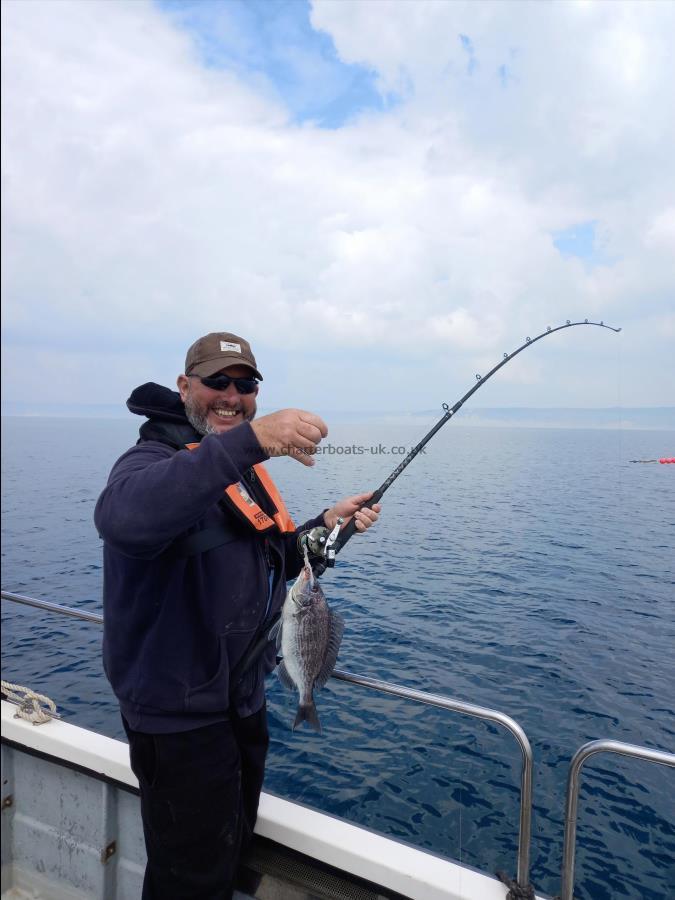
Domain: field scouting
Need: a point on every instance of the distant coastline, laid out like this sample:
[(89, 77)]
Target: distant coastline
[(652, 418), (647, 418)]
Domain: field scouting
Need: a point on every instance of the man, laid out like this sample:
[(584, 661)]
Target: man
[(198, 549)]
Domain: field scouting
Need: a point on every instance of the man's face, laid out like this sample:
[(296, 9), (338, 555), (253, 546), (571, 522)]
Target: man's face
[(213, 412)]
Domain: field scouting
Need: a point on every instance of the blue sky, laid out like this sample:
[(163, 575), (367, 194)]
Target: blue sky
[(578, 240), (273, 46), (383, 196)]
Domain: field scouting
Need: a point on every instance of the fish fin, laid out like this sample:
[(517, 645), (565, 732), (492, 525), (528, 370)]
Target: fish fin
[(274, 634), (284, 676), (337, 628), (307, 713)]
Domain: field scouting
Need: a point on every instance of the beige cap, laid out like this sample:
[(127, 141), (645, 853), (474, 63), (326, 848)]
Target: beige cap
[(218, 350)]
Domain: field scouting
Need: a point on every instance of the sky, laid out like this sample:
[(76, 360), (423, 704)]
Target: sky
[(383, 197)]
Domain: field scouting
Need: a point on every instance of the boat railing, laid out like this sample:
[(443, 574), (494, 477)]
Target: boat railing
[(582, 756), (488, 715), (54, 607), (447, 703)]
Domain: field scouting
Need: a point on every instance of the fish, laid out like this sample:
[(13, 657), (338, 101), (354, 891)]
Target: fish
[(309, 636)]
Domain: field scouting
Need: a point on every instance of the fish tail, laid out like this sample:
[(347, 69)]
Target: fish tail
[(307, 713)]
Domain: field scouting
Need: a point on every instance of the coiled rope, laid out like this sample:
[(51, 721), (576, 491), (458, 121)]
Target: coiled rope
[(516, 891), (31, 706)]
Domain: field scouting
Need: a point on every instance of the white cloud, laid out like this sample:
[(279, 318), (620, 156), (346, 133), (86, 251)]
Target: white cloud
[(661, 231), (149, 199)]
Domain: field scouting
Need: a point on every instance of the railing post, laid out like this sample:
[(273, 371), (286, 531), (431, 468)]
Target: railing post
[(582, 755)]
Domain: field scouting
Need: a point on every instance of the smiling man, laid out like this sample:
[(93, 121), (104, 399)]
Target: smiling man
[(220, 384), (198, 548)]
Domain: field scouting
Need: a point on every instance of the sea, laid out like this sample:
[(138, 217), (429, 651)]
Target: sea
[(528, 570)]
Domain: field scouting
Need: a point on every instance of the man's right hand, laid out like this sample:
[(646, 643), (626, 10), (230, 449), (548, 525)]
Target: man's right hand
[(290, 432)]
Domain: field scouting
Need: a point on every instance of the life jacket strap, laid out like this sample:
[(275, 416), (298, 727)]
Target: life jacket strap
[(242, 503), (201, 541), (281, 516)]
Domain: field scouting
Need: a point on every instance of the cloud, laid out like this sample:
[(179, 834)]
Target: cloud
[(661, 232), (151, 195)]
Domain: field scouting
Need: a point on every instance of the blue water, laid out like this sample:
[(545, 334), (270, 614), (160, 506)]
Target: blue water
[(527, 570)]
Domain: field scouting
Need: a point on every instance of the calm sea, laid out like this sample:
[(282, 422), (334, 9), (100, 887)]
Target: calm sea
[(527, 570)]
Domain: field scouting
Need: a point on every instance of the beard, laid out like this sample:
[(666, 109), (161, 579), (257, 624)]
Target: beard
[(197, 415)]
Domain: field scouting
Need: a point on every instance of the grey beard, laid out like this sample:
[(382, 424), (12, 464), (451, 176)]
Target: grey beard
[(197, 419)]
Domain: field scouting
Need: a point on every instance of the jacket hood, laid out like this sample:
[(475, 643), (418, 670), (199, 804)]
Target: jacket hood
[(157, 402), (166, 413)]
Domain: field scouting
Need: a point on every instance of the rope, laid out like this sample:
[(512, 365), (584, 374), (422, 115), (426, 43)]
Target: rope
[(35, 708), (516, 891)]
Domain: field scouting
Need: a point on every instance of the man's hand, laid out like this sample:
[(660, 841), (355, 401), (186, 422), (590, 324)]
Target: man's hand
[(348, 507), (290, 432)]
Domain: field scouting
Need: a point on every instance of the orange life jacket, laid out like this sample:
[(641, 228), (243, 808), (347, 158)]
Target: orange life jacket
[(247, 509)]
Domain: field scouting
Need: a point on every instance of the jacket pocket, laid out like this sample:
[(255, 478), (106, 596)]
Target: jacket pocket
[(212, 695), (248, 682)]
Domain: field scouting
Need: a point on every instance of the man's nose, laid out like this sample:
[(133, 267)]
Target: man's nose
[(230, 393)]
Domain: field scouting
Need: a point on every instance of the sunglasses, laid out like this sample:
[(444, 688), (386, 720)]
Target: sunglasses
[(222, 383)]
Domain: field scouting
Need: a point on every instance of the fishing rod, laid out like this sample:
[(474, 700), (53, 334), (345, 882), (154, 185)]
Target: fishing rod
[(327, 554), (323, 545)]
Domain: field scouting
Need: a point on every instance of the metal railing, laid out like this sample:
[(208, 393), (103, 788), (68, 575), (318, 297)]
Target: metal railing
[(488, 715), (582, 755), (54, 607), (468, 709)]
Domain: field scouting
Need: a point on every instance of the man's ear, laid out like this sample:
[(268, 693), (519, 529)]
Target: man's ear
[(183, 383)]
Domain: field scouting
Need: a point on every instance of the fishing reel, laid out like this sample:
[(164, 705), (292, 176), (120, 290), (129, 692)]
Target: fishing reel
[(319, 542)]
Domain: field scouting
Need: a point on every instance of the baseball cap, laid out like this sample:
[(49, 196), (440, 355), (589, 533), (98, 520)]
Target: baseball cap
[(216, 351)]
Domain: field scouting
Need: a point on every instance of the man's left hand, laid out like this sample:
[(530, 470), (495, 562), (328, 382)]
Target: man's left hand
[(348, 507)]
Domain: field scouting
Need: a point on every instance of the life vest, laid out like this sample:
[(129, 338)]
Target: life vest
[(243, 504)]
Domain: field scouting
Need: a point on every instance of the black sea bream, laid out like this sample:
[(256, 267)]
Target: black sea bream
[(309, 638)]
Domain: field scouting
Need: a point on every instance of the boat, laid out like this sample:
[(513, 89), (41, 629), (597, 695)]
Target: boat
[(72, 827)]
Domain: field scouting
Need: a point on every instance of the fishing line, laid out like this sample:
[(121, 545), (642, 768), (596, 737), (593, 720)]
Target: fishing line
[(349, 530)]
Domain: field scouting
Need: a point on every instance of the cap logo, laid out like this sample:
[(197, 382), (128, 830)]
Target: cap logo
[(226, 346)]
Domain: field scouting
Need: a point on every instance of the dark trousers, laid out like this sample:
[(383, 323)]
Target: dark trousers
[(199, 802)]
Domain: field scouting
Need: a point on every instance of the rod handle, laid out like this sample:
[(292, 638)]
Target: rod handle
[(350, 528)]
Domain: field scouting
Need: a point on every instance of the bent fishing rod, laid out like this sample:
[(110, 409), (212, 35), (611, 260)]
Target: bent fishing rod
[(323, 546), (327, 555)]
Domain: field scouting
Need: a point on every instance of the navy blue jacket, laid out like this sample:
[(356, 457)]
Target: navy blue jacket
[(174, 626)]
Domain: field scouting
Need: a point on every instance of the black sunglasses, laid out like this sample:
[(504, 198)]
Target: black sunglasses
[(222, 383)]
